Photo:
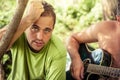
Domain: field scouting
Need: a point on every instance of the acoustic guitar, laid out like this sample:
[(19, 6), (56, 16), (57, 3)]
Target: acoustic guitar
[(97, 63)]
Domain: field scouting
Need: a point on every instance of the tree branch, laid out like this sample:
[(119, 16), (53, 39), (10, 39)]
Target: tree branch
[(12, 27)]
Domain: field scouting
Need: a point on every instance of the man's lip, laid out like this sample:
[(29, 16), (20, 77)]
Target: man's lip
[(40, 43)]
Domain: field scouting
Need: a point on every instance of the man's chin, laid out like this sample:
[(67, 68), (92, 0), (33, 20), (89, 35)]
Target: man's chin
[(36, 50)]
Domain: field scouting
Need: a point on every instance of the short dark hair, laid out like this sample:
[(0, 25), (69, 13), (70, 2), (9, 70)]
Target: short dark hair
[(48, 11)]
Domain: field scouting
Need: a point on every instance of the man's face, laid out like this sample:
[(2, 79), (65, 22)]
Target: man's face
[(40, 32)]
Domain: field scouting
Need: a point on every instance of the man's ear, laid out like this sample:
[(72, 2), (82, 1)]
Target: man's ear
[(118, 18)]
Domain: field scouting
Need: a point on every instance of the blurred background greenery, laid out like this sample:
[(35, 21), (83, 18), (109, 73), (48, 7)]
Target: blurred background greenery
[(72, 15), (75, 15)]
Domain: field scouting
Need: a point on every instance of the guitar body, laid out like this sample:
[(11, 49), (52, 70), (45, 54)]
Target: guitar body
[(91, 56)]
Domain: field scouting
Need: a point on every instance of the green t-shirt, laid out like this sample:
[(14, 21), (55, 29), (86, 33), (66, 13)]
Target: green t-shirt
[(48, 64)]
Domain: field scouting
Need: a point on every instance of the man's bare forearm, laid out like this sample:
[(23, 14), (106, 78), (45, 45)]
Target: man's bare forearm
[(24, 24), (31, 15), (72, 47)]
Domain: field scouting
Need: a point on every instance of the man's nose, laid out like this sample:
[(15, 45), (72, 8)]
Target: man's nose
[(40, 35)]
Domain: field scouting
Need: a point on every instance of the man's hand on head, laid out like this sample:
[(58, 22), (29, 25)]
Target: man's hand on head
[(33, 10)]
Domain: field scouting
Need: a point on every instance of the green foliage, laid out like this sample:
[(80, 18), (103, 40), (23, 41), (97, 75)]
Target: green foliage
[(7, 8), (77, 17)]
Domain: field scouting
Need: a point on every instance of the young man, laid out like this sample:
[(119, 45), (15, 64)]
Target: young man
[(106, 33), (37, 54)]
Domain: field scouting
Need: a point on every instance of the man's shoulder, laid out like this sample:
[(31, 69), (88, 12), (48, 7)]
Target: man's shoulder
[(105, 26), (56, 48), (56, 40), (57, 43), (108, 23), (20, 40)]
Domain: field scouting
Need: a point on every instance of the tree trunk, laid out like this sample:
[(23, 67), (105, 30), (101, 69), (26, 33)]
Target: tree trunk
[(12, 27)]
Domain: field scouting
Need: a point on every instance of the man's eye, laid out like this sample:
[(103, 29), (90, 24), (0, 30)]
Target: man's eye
[(35, 28), (47, 30)]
